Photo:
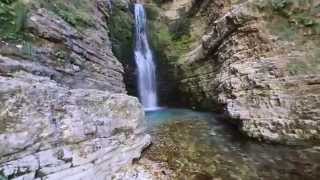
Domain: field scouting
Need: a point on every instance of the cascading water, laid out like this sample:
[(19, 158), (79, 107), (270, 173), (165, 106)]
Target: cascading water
[(144, 62)]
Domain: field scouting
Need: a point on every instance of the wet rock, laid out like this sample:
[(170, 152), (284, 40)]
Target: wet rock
[(182, 140)]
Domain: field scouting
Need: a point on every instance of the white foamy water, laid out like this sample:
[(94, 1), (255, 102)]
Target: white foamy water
[(145, 62)]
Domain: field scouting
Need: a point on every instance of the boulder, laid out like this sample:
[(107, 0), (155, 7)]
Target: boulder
[(52, 132)]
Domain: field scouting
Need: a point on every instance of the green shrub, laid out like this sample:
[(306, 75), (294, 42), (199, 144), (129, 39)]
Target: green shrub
[(121, 28), (288, 18), (180, 28), (166, 45), (169, 42), (75, 12), (182, 45), (296, 68), (307, 65), (283, 29), (160, 2), (152, 12), (279, 4), (304, 19), (12, 18)]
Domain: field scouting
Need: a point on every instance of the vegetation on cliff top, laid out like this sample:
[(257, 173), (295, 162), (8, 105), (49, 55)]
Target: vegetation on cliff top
[(296, 21), (121, 27), (13, 14), (12, 18), (169, 40), (295, 14), (75, 12)]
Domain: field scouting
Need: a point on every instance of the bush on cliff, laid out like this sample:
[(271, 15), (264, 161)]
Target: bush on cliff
[(121, 26), (75, 12), (12, 17)]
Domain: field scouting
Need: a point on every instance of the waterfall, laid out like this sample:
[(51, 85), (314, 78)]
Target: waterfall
[(144, 61)]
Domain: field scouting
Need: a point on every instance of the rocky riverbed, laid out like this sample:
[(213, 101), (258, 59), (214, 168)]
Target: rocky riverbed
[(196, 146), (256, 61), (66, 69)]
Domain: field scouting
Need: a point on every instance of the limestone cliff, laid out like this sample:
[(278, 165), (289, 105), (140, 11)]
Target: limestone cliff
[(64, 113), (256, 61)]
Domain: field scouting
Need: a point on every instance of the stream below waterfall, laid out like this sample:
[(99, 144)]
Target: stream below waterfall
[(195, 145)]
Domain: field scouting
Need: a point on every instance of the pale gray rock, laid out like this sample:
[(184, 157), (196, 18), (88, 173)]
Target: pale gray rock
[(52, 132), (145, 170), (79, 59), (64, 113), (237, 69)]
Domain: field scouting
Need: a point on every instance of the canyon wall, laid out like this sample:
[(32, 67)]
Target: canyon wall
[(64, 111), (258, 63)]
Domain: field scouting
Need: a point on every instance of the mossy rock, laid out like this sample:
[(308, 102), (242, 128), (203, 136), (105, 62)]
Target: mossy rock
[(121, 26), (76, 12)]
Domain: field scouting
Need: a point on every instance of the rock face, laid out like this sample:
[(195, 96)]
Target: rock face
[(242, 69), (64, 113), (51, 132), (77, 59)]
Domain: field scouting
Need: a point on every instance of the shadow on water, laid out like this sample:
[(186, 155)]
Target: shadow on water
[(196, 145)]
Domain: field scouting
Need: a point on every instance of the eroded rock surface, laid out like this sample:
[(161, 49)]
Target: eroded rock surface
[(77, 59), (243, 69), (64, 113), (52, 132)]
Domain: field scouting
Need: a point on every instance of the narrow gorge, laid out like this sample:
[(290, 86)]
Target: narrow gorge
[(159, 89)]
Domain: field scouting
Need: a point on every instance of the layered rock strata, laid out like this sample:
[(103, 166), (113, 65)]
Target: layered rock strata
[(242, 69), (64, 113)]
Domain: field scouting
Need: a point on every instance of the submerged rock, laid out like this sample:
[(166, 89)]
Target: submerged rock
[(182, 139)]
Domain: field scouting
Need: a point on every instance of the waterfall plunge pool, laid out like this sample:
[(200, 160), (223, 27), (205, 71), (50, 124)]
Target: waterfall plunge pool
[(195, 145)]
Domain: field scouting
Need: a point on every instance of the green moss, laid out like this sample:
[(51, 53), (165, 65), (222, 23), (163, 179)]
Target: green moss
[(183, 44), (13, 14), (75, 12), (296, 68), (12, 18), (283, 29), (296, 21), (152, 11), (181, 28), (279, 4), (308, 65), (121, 32), (61, 56), (169, 44), (298, 13), (160, 38)]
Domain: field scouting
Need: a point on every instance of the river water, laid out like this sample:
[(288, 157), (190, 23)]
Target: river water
[(196, 145)]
